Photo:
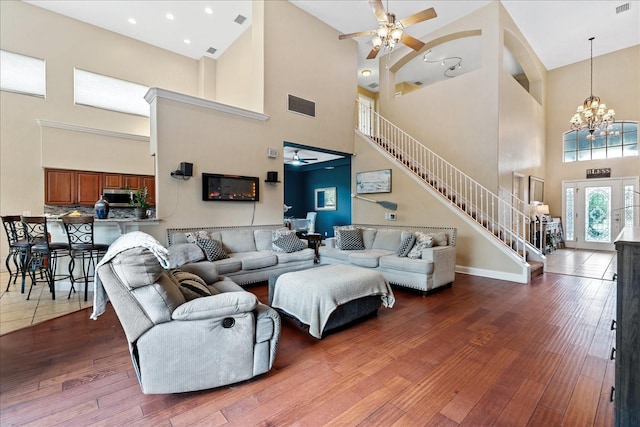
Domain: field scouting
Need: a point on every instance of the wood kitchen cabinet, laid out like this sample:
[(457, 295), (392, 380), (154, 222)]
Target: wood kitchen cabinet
[(83, 188)]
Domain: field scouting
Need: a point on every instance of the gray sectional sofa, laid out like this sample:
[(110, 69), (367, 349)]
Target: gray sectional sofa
[(434, 268), (250, 250)]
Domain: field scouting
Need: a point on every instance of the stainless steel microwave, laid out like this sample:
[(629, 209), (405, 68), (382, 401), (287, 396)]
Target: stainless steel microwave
[(117, 198)]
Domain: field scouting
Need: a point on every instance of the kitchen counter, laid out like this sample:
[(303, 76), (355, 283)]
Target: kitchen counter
[(103, 228)]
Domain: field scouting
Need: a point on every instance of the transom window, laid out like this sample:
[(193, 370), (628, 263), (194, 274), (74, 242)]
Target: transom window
[(109, 93), (22, 74), (619, 140)]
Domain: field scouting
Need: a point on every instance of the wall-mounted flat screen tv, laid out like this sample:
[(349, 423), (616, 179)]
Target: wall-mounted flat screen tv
[(230, 188)]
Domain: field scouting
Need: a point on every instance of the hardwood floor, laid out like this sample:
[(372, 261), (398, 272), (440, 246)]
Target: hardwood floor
[(485, 352)]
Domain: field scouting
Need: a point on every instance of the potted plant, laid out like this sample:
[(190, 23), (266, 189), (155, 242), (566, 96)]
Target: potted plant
[(140, 201)]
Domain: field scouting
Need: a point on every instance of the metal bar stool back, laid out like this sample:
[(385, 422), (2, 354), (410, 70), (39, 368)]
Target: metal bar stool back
[(83, 248), (43, 256), (18, 249)]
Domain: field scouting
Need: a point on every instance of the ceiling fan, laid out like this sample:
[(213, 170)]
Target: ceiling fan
[(389, 31), (297, 159)]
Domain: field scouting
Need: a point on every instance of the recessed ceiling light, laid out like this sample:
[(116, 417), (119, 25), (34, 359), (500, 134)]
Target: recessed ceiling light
[(208, 10), (170, 16), (366, 73), (131, 21), (187, 41)]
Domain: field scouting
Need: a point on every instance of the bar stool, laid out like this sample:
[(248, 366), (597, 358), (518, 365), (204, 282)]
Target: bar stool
[(82, 247), (18, 248), (43, 256)]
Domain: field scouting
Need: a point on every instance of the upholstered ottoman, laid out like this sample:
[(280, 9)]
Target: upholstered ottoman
[(329, 296)]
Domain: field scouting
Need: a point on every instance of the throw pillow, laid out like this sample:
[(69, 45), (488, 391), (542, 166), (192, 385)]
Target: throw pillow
[(439, 239), (423, 241), (350, 240), (336, 229), (289, 243), (192, 237), (212, 249), (191, 285), (278, 233), (406, 244)]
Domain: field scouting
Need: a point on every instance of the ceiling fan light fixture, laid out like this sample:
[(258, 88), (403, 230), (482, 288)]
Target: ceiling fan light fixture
[(396, 34), (376, 41), (382, 32)]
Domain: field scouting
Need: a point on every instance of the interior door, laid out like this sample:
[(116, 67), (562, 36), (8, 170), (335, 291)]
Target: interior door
[(595, 212)]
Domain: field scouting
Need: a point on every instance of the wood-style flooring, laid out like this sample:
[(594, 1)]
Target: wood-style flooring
[(484, 352)]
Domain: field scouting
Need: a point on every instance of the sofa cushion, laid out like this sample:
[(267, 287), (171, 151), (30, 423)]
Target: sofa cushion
[(255, 260), (228, 265), (394, 262), (388, 239), (350, 240), (234, 241), (183, 253), (303, 255), (406, 243), (212, 249), (263, 239), (423, 241), (137, 267), (206, 270), (191, 285), (368, 236), (368, 258), (335, 253), (289, 243)]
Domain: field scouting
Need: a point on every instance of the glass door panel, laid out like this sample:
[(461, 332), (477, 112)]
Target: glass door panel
[(597, 214)]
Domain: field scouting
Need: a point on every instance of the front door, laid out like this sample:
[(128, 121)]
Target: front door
[(596, 210)]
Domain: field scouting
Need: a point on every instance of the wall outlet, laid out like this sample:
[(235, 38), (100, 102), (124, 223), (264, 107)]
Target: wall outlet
[(391, 216)]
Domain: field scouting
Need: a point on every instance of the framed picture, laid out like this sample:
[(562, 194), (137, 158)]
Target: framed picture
[(325, 199), (373, 182), (536, 190)]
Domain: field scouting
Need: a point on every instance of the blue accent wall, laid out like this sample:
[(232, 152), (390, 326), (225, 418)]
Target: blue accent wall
[(301, 182)]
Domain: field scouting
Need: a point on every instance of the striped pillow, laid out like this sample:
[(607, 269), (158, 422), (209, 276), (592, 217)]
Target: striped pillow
[(191, 285)]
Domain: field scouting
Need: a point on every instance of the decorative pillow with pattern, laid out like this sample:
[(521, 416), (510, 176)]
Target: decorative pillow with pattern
[(409, 239), (336, 234), (191, 285), (289, 243), (212, 249), (439, 239), (192, 237), (278, 233), (423, 241), (350, 240)]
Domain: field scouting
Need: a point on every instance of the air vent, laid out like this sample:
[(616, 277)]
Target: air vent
[(622, 8), (417, 83), (302, 106), (239, 19), (212, 50), (373, 85)]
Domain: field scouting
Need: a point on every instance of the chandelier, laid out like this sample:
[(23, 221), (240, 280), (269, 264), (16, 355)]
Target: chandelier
[(592, 114), (388, 34)]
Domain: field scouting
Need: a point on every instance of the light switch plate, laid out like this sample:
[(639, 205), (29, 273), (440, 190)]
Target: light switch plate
[(391, 216), (272, 153)]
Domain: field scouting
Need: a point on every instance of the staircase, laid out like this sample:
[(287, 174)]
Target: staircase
[(498, 218)]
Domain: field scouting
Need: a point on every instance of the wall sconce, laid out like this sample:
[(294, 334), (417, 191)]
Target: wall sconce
[(185, 171)]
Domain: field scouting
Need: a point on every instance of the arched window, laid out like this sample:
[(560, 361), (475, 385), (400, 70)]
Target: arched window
[(619, 140)]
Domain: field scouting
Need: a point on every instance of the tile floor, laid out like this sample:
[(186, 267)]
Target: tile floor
[(583, 263), (16, 312)]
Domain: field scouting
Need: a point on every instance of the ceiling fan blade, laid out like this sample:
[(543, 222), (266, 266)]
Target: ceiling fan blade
[(359, 34), (373, 53), (378, 10), (418, 17), (412, 42)]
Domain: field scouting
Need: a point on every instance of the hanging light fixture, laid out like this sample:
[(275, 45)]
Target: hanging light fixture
[(592, 114)]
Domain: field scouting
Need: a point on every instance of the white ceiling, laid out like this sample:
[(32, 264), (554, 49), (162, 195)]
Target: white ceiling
[(557, 30)]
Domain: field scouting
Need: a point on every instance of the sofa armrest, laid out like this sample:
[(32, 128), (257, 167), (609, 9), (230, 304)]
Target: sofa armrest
[(224, 304), (330, 242), (444, 264), (267, 323)]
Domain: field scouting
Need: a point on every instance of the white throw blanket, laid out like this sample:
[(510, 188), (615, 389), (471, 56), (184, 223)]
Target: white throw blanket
[(312, 295), (131, 240)]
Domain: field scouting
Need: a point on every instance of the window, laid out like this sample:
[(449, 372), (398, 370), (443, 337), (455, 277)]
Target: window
[(96, 90), (628, 205), (569, 214), (619, 140), (22, 74)]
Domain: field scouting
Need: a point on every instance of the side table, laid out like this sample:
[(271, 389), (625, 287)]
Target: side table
[(315, 240)]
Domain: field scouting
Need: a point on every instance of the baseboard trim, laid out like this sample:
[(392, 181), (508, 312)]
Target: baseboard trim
[(494, 274)]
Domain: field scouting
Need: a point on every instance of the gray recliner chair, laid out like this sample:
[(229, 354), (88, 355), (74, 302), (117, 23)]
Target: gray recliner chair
[(178, 345)]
